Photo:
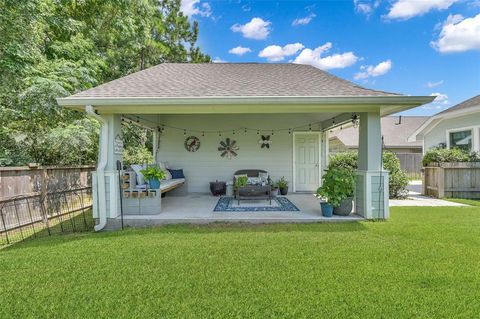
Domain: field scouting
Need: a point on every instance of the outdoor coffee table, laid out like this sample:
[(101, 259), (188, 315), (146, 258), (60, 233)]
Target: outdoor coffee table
[(250, 192)]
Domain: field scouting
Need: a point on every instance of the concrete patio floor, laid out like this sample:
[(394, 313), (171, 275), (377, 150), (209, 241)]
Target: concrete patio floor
[(199, 209)]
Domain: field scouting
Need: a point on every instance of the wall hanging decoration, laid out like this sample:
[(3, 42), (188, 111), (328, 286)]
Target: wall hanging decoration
[(192, 144), (265, 141), (228, 148)]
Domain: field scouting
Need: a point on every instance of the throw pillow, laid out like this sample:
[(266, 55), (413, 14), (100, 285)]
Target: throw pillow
[(140, 178), (176, 173), (254, 180), (263, 177)]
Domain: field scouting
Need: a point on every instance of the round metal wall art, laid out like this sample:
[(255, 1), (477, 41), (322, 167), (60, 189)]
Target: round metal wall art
[(192, 144), (228, 148)]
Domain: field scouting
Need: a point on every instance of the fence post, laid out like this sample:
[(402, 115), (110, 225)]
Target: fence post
[(441, 182)]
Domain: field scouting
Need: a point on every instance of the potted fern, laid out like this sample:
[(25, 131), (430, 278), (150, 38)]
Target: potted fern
[(153, 174), (282, 185)]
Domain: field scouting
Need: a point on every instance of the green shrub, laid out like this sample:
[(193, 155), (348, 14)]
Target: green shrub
[(338, 183), (445, 155), (398, 180), (137, 155)]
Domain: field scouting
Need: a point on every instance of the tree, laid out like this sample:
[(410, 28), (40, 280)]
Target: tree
[(51, 49)]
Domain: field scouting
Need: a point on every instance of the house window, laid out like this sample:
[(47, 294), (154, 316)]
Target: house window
[(461, 140)]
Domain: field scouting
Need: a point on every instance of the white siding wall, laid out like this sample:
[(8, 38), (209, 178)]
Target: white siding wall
[(206, 165), (438, 134)]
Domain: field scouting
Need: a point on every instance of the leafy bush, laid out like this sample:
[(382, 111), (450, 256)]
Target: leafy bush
[(398, 179), (445, 155), (338, 183), (137, 155)]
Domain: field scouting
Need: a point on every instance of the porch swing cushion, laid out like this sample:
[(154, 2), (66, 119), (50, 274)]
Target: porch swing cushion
[(171, 184)]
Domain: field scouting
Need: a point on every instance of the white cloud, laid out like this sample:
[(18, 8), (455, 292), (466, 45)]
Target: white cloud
[(458, 34), (373, 71), (257, 29), (335, 61), (440, 98), (406, 9), (277, 53), (366, 7), (304, 20), (194, 7), (239, 50), (434, 84), (218, 60)]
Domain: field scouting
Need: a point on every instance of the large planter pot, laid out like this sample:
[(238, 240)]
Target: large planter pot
[(154, 183), (327, 209), (284, 190), (274, 192), (345, 207)]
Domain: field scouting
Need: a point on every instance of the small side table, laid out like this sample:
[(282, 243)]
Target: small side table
[(218, 188)]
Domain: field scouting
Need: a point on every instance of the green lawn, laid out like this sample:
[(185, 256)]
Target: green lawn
[(423, 262)]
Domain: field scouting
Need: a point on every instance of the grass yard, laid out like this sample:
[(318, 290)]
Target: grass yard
[(423, 262)]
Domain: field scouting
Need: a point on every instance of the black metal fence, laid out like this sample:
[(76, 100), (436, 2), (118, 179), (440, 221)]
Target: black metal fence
[(31, 216)]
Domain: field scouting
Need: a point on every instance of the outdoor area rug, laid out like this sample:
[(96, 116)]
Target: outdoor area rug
[(279, 204)]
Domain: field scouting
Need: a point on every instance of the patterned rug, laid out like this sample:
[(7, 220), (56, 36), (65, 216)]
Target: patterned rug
[(279, 204)]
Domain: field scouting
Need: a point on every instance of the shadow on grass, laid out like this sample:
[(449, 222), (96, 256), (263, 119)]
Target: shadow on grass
[(189, 229)]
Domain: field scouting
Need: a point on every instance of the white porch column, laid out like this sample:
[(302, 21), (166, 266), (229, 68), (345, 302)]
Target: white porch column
[(155, 144), (110, 195), (371, 192)]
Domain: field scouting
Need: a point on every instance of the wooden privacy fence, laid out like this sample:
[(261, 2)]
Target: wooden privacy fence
[(455, 180), (411, 163), (43, 201)]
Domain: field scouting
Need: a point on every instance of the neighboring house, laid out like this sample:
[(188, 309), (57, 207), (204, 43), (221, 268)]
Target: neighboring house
[(395, 130), (296, 105), (458, 126)]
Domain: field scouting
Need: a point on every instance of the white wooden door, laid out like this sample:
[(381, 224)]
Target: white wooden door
[(306, 161)]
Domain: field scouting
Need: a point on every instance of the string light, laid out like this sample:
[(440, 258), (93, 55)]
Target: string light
[(219, 133), (233, 132), (258, 132), (245, 131), (309, 127), (289, 131), (184, 132), (272, 133), (203, 133)]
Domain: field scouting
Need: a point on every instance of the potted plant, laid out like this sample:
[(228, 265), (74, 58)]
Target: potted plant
[(153, 174), (282, 185), (337, 189), (274, 190)]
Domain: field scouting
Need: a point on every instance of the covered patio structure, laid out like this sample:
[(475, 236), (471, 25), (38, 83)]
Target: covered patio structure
[(294, 105)]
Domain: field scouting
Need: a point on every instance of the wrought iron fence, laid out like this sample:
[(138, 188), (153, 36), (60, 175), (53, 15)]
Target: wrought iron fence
[(59, 211)]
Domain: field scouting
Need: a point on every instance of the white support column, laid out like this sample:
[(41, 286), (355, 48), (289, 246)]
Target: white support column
[(371, 192), (155, 145), (114, 153)]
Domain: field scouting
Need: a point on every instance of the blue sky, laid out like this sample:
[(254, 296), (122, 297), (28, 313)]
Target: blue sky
[(416, 47)]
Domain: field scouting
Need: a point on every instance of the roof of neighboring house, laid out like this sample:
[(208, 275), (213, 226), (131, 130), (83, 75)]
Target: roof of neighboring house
[(471, 102), (395, 135), (229, 79), (470, 106)]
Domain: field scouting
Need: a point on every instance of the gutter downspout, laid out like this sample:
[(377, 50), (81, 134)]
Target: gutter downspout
[(102, 205)]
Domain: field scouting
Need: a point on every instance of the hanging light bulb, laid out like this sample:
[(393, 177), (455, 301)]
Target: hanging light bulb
[(258, 132), (309, 127), (184, 132), (289, 131), (203, 133), (233, 132), (245, 131), (272, 133), (333, 121)]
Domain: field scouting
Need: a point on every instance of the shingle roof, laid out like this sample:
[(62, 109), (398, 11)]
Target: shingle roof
[(395, 135), (474, 101), (228, 79)]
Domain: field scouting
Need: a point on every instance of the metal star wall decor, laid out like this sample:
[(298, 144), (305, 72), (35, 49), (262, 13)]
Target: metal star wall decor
[(265, 141), (228, 148)]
